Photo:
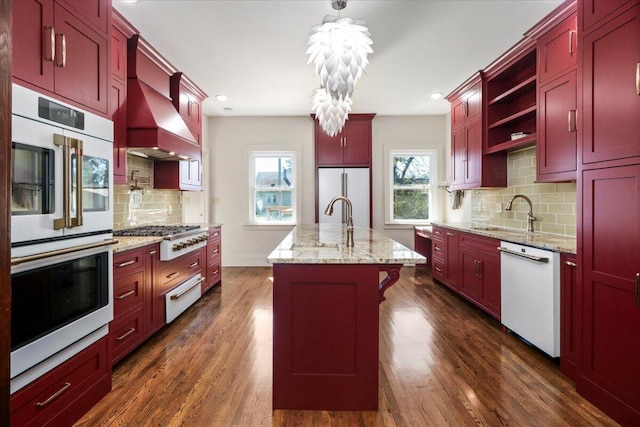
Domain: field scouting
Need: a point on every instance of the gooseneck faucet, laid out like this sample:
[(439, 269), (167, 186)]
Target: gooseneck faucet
[(530, 217), (329, 211)]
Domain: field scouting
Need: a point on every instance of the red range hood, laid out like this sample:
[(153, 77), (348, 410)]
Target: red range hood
[(154, 126)]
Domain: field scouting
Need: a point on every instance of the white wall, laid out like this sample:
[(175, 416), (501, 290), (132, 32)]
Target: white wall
[(229, 138)]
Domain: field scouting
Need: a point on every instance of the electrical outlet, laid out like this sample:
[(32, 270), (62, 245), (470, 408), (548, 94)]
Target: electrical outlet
[(498, 207)]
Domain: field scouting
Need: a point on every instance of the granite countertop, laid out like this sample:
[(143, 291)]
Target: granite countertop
[(325, 244), (553, 242)]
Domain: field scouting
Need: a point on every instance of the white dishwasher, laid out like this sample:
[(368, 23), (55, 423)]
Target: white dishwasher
[(530, 292)]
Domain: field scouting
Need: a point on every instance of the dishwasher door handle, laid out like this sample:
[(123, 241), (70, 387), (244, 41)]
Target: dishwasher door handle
[(523, 255)]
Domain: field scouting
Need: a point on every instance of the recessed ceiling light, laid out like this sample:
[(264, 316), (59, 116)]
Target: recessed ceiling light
[(221, 98), (436, 95)]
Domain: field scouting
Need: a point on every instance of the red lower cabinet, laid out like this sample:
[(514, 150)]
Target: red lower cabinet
[(64, 394), (569, 316), (480, 272)]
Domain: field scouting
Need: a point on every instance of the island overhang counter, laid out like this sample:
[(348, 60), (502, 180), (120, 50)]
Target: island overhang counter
[(325, 315)]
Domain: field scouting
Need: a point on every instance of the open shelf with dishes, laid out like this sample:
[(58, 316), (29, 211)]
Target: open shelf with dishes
[(511, 106)]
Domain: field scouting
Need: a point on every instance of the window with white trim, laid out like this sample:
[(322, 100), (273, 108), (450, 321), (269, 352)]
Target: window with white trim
[(410, 195), (273, 187)]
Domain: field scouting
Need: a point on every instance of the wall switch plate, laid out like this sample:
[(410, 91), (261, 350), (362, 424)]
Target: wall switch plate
[(498, 207)]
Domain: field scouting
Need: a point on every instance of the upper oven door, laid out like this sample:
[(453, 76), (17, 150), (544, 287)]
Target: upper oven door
[(36, 181)]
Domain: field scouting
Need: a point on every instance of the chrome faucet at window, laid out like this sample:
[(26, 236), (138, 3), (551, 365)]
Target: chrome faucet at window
[(530, 217), (329, 211)]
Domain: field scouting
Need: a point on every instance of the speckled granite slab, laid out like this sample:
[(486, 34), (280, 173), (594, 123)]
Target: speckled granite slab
[(325, 244), (126, 243), (553, 242)]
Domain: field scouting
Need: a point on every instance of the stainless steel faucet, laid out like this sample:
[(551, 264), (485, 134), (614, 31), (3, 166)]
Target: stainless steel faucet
[(329, 211), (530, 217)]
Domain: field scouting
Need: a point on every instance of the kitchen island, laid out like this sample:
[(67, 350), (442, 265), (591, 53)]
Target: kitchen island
[(325, 315)]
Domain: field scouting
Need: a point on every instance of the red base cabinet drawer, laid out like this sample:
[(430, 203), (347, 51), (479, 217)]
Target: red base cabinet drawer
[(62, 396), (126, 334)]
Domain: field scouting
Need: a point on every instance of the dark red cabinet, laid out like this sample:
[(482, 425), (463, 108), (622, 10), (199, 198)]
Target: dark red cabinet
[(444, 249), (610, 291), (558, 49), (480, 272), (556, 151), (213, 259), (118, 103), (178, 175), (59, 49), (69, 390), (610, 88), (351, 147), (594, 12), (569, 315), (154, 300)]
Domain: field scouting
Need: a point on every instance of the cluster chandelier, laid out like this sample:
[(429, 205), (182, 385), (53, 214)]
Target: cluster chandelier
[(338, 49)]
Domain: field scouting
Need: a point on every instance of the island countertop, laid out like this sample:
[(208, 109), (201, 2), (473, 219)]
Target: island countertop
[(325, 244)]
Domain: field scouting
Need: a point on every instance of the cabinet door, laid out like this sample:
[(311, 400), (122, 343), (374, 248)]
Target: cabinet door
[(154, 300), (33, 42), (593, 11), (569, 315), (357, 143), (328, 148), (93, 12), (81, 62), (473, 176), (611, 62), (119, 55), (489, 275), (611, 282), (458, 157), (556, 154), (470, 285), (558, 50), (451, 258), (118, 113)]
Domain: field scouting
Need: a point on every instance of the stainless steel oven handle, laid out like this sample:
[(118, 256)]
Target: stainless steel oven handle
[(177, 296), (44, 255), (523, 255)]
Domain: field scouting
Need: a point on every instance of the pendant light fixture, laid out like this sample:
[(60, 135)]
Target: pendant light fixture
[(338, 49)]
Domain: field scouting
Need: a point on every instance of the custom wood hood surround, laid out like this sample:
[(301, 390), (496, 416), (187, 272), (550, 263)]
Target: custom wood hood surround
[(154, 126)]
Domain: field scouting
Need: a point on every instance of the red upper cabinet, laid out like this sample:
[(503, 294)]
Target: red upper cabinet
[(63, 51), (556, 151), (595, 11), (611, 89), (467, 106), (188, 98), (351, 147), (558, 49)]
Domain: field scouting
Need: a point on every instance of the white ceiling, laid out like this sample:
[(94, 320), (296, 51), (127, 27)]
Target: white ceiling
[(253, 51)]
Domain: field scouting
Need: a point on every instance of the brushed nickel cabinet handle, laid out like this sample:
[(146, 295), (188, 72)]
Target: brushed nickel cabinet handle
[(638, 289), (479, 269), (638, 78), (436, 268), (124, 264), (152, 252), (54, 396), (172, 275), (125, 295), (216, 272), (64, 50), (570, 263), (571, 36), (216, 250), (194, 264), (126, 334), (51, 41), (571, 120)]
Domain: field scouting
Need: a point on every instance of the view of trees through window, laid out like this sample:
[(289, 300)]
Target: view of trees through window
[(273, 183), (411, 186)]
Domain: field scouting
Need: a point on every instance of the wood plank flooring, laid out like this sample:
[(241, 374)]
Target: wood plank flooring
[(442, 363)]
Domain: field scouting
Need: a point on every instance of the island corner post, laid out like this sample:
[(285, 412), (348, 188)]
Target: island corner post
[(325, 335)]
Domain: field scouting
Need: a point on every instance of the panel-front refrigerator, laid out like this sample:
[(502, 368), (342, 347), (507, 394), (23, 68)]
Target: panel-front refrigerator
[(352, 183)]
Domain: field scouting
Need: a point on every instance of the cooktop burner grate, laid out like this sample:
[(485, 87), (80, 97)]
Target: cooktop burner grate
[(156, 230)]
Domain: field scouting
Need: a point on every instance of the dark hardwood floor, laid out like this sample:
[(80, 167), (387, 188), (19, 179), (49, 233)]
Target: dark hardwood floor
[(442, 362)]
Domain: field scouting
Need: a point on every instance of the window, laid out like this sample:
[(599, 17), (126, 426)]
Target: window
[(273, 183), (410, 194)]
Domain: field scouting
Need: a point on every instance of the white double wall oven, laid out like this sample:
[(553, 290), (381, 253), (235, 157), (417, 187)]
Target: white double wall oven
[(61, 232)]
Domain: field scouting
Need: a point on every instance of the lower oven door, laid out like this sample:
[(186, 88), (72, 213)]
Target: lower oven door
[(58, 298), (182, 297)]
